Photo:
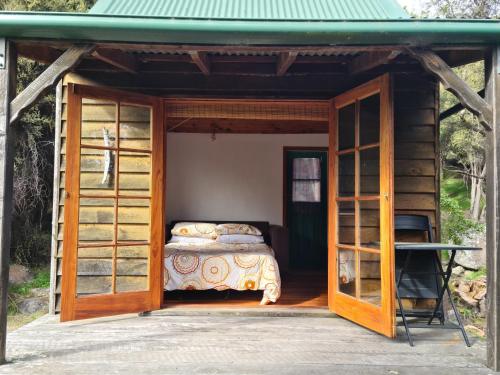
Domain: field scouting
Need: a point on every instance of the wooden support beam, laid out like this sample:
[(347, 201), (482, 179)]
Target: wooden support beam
[(285, 61), (201, 60), (7, 141), (492, 71), (40, 53), (47, 79), (370, 60), (118, 59), (456, 108), (456, 85)]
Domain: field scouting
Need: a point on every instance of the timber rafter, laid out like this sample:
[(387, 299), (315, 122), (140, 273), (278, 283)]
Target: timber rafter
[(456, 85), (49, 78)]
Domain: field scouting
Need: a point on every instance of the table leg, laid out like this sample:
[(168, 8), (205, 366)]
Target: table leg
[(446, 288), (446, 278)]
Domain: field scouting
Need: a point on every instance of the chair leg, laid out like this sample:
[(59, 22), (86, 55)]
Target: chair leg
[(403, 316), (400, 303)]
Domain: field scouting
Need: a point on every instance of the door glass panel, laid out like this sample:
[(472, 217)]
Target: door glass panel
[(94, 270), (135, 127), (370, 224), (346, 130), (346, 222), (306, 191), (97, 171), (369, 270), (346, 175), (347, 272), (135, 171), (306, 168), (369, 171), (369, 120), (98, 126), (131, 284)]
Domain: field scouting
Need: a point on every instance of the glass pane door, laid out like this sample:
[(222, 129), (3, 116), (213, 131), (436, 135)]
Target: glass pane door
[(110, 202), (361, 197)]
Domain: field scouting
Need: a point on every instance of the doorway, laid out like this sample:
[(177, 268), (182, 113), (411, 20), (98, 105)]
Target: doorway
[(306, 208)]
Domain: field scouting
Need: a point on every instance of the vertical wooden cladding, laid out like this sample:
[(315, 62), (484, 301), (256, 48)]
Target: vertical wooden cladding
[(113, 229)]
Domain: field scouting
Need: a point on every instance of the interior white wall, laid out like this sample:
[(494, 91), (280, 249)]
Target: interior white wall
[(235, 177)]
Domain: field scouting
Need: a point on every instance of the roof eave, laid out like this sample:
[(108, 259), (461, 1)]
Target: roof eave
[(85, 28)]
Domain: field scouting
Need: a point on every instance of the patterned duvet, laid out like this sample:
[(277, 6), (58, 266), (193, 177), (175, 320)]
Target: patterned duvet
[(222, 266)]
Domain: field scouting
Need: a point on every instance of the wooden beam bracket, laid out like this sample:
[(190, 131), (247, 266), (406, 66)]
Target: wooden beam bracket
[(118, 59), (456, 85), (49, 78), (201, 60), (285, 61)]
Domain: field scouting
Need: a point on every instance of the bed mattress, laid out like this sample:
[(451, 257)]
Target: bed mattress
[(222, 266)]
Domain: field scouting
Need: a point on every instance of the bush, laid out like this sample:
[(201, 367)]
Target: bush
[(455, 225)]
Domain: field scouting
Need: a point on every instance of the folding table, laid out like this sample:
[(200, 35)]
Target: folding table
[(433, 250)]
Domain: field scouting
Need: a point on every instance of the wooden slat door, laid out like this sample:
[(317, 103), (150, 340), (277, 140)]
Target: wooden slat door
[(361, 208), (114, 203)]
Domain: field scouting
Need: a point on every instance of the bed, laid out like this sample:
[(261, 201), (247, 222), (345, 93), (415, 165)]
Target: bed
[(223, 266)]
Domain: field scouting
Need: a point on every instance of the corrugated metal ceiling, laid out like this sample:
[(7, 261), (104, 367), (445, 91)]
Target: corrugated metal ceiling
[(272, 10)]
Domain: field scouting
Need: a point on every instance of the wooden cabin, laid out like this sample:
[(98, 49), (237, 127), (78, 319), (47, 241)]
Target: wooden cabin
[(169, 113)]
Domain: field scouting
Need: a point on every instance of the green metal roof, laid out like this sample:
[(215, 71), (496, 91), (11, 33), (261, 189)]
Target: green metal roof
[(275, 10)]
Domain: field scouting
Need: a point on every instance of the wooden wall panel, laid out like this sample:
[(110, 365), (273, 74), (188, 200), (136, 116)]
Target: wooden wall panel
[(416, 147)]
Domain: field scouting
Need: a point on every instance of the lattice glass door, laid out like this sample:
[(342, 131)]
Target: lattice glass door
[(361, 246), (113, 238)]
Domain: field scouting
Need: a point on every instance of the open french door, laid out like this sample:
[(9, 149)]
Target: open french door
[(361, 196), (114, 203)]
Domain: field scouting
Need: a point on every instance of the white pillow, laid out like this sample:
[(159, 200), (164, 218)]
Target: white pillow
[(240, 238), (193, 240)]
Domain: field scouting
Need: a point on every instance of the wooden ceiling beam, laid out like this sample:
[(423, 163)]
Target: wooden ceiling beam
[(40, 53), (285, 61), (50, 76), (201, 60), (454, 84), (118, 59), (371, 60)]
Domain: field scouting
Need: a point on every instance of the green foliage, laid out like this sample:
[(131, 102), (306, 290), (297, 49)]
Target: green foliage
[(474, 275), (455, 225), (41, 280), (16, 291), (456, 189), (33, 162), (47, 5)]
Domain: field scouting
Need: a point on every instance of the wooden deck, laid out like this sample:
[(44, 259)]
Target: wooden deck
[(229, 344)]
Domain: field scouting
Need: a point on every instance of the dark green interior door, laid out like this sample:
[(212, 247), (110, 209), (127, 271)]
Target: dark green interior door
[(306, 208)]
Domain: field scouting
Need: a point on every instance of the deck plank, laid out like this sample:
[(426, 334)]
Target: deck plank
[(231, 344)]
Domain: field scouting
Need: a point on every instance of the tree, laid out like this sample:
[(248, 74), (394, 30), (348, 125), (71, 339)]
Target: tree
[(462, 137), (462, 8), (463, 142), (34, 156)]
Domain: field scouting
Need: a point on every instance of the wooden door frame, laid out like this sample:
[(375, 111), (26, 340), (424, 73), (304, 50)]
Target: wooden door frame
[(123, 302), (285, 179), (366, 312)]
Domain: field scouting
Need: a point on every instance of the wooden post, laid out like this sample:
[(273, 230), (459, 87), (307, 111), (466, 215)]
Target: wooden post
[(7, 137), (492, 71), (55, 198)]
